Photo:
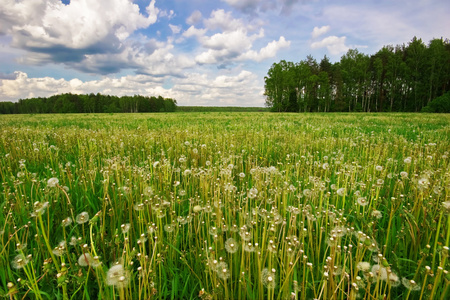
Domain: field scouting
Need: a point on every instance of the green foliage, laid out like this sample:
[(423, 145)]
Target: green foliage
[(92, 103), (439, 105), (401, 78)]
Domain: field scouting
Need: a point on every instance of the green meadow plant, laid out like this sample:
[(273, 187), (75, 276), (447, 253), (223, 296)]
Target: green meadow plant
[(225, 206)]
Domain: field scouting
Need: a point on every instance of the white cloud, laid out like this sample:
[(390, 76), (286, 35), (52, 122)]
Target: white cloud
[(192, 31), (335, 45), (318, 31), (194, 18), (220, 19), (234, 42), (58, 30), (175, 29), (235, 88), (267, 52)]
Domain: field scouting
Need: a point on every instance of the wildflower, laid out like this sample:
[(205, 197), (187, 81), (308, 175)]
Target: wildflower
[(338, 231), (410, 284), (272, 247), (213, 230), (341, 192), (125, 227), (407, 160), (148, 191), (245, 235), (377, 214), (386, 274), (379, 168), (249, 247), (404, 174), (268, 278), (222, 270), (231, 245), (73, 241), (446, 205), (197, 208), (394, 280), (423, 182), (223, 273), (168, 228), (362, 201), (363, 266), (60, 249), (138, 206), (66, 222), (117, 276), (52, 182), (86, 259), (19, 261), (82, 218), (252, 193), (242, 175), (39, 208)]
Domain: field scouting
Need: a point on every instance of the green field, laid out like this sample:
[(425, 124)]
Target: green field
[(225, 206)]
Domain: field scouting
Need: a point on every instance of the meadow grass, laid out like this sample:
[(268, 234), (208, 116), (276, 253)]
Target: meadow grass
[(225, 206)]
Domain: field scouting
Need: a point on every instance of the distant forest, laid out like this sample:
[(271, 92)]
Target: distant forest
[(92, 103), (402, 78)]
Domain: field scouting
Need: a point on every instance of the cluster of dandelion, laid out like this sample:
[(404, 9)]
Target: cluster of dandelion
[(225, 207)]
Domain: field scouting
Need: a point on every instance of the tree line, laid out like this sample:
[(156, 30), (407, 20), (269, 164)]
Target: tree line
[(89, 103), (401, 78)]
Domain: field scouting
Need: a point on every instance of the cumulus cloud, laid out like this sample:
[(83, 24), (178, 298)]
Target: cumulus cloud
[(194, 18), (267, 52), (52, 31), (175, 29), (239, 87), (220, 19), (335, 45), (318, 31), (233, 42)]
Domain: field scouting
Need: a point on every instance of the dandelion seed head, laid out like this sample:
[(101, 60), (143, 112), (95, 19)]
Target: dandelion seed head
[(377, 214), (52, 182), (19, 261), (117, 276), (231, 245), (82, 218), (66, 222), (362, 201), (341, 192), (363, 266)]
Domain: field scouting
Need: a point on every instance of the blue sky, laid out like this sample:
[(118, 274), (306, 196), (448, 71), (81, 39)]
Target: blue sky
[(198, 52)]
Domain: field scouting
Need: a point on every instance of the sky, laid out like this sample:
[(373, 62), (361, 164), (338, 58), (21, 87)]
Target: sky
[(199, 52)]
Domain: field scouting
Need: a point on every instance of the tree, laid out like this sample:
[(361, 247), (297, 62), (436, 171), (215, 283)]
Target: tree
[(400, 78)]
